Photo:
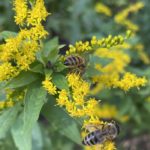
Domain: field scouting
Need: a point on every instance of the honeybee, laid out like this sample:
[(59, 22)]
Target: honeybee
[(76, 63), (101, 133)]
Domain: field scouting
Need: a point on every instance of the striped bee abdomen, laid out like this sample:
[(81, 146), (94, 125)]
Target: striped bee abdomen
[(91, 139), (72, 61)]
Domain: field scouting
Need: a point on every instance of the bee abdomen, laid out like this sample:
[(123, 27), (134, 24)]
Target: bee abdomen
[(73, 61), (90, 139)]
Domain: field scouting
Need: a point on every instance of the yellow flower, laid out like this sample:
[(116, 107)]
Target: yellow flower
[(63, 98), (111, 71), (38, 32), (10, 48), (108, 42), (106, 111), (92, 120), (12, 96), (21, 49), (20, 7), (37, 14), (9, 103), (101, 8), (142, 54), (49, 86), (75, 102), (27, 55), (131, 80), (121, 17), (7, 71), (109, 145)]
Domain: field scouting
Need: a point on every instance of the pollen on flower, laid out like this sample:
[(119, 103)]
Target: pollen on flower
[(49, 86)]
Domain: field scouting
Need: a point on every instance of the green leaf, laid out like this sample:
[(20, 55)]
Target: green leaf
[(37, 141), (49, 53), (38, 68), (40, 58), (61, 121), (51, 50), (147, 106), (7, 118), (22, 129), (50, 46), (59, 67), (23, 79), (40, 138), (99, 60), (60, 81), (7, 34)]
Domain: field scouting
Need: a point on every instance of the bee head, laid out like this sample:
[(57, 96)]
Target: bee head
[(116, 125)]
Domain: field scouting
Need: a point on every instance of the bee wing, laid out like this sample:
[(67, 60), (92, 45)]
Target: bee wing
[(91, 127)]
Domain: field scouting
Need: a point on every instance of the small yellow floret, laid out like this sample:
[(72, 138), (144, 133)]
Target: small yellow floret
[(49, 86)]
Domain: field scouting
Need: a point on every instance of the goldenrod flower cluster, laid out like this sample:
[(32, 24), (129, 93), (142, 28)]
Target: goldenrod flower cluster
[(49, 86), (37, 14), (103, 9), (130, 80), (21, 9), (75, 101), (107, 42), (19, 51), (122, 17), (113, 71), (29, 16)]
